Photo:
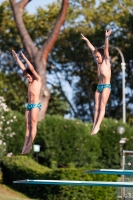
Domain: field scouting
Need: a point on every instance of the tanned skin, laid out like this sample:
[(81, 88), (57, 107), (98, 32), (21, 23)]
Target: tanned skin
[(104, 76), (34, 88)]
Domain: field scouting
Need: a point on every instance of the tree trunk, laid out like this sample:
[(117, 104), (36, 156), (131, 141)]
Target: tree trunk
[(40, 66)]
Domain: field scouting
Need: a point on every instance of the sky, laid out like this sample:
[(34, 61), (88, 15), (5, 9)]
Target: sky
[(31, 7)]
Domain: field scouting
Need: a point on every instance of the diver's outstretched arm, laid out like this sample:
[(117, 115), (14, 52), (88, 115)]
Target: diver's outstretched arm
[(21, 65), (91, 47), (106, 48)]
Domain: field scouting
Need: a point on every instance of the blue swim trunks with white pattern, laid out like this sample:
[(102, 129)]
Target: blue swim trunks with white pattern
[(100, 87), (33, 105)]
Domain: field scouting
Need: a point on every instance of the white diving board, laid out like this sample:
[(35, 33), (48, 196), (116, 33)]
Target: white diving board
[(110, 171), (76, 183)]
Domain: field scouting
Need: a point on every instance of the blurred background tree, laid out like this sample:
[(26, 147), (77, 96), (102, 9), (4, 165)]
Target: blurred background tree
[(71, 70)]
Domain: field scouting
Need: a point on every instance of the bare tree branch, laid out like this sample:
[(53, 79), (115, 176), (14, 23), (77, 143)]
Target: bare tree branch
[(25, 37), (23, 3), (55, 32)]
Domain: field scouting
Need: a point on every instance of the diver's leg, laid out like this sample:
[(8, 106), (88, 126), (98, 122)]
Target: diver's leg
[(33, 124), (96, 111), (103, 101), (28, 128)]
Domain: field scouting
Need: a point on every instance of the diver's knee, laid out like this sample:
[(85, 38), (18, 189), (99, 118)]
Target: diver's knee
[(102, 106), (96, 108)]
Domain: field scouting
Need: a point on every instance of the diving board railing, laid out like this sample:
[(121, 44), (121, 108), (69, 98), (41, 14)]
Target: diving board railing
[(126, 163), (76, 183), (110, 171), (86, 183)]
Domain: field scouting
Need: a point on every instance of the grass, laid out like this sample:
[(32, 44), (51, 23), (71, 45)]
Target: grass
[(7, 193)]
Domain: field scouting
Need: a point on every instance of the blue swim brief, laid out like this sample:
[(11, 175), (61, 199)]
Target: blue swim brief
[(33, 105), (100, 87)]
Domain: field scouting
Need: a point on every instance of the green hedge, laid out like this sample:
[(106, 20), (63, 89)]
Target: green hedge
[(109, 142), (64, 142), (22, 167), (15, 142), (67, 141)]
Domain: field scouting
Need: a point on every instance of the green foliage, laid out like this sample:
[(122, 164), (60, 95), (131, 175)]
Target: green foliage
[(9, 33), (62, 142), (57, 103), (19, 168), (109, 142), (26, 165), (18, 126), (6, 131), (67, 141), (10, 89), (129, 119)]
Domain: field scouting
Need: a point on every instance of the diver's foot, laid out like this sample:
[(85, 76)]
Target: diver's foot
[(95, 130), (23, 149), (27, 149), (92, 128)]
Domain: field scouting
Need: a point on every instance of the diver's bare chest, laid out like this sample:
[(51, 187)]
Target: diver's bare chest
[(32, 87), (102, 68)]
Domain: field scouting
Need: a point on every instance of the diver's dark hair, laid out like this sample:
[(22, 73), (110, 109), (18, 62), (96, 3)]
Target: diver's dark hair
[(100, 50), (27, 71)]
